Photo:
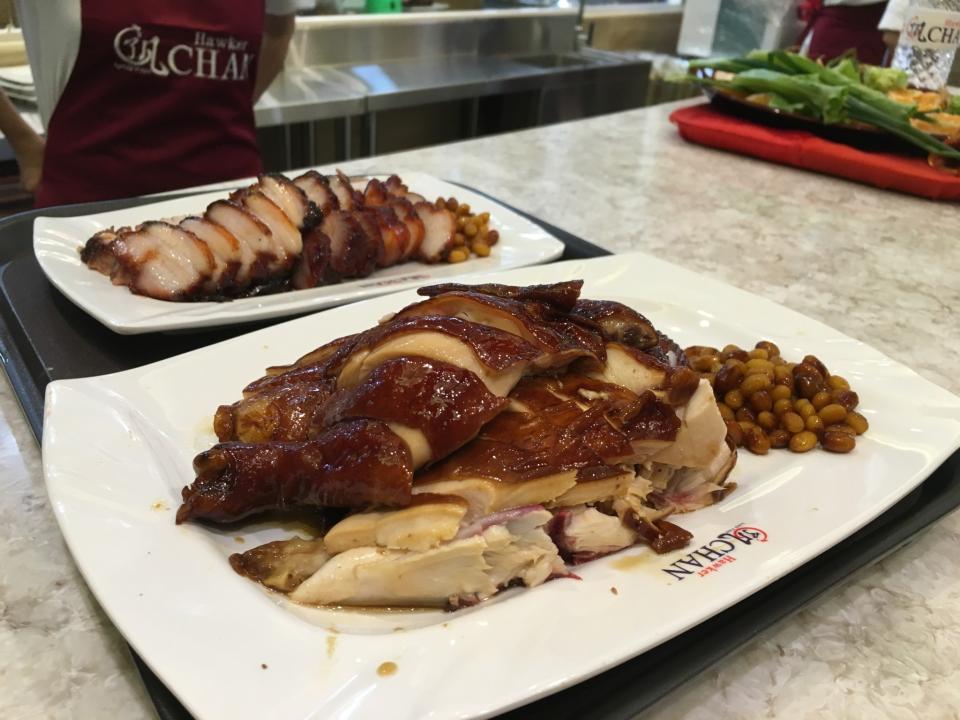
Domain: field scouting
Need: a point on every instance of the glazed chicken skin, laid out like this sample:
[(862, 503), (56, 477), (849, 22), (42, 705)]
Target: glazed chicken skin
[(484, 437), (274, 235)]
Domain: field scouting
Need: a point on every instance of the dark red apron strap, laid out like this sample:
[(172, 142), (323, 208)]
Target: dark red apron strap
[(160, 97)]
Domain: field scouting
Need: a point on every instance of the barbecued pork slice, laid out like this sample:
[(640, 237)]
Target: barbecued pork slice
[(317, 189), (269, 257), (314, 267), (408, 215), (393, 232), (353, 253), (440, 226), (97, 253), (161, 261), (348, 196), (375, 193), (303, 213), (235, 258), (285, 235)]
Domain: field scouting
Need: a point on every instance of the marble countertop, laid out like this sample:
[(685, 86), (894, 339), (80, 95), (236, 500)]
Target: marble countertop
[(881, 267)]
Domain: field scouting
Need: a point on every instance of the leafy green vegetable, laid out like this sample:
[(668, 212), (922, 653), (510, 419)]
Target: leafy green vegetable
[(832, 93), (778, 102), (865, 112), (884, 79), (953, 105), (848, 68), (827, 101)]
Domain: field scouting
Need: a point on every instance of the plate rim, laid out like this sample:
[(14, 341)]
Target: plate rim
[(173, 320)]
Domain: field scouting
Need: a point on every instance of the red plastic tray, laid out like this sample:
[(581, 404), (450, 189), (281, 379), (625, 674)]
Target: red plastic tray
[(706, 125)]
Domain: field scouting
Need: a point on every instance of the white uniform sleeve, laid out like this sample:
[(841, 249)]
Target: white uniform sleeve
[(280, 7), (51, 32), (895, 15)]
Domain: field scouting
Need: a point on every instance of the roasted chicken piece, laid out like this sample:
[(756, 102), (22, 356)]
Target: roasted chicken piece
[(478, 439)]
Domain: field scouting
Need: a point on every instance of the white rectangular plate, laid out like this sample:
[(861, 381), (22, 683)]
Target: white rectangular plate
[(56, 242), (117, 450)]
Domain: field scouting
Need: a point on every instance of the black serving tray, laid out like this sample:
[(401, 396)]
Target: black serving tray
[(44, 337)]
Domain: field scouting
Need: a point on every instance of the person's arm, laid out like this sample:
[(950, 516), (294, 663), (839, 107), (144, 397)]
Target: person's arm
[(277, 31), (27, 146)]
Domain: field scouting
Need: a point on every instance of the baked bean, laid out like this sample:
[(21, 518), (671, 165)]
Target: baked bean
[(754, 383), (779, 438), (735, 433), (781, 406), (814, 361), (821, 399), (458, 255), (734, 399), (769, 347), (803, 441), (761, 401), (858, 422), (452, 204), (757, 366), (808, 380), (698, 350), (756, 441), (780, 392), (702, 363), (835, 382), (725, 412), (729, 378), (804, 408), (838, 442), (839, 427), (767, 420), (814, 424), (766, 401), (492, 237), (792, 423), (848, 398), (480, 249), (832, 414), (782, 375)]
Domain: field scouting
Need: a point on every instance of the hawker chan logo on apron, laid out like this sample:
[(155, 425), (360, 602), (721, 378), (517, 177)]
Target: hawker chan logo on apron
[(212, 57)]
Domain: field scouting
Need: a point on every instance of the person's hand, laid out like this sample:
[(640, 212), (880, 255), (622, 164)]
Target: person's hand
[(30, 159)]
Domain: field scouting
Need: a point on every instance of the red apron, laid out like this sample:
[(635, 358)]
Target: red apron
[(160, 97), (839, 28)]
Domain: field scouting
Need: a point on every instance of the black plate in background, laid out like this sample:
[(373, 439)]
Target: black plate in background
[(868, 139), (44, 337)]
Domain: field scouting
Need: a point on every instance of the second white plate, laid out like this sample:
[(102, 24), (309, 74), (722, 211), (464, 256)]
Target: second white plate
[(56, 242)]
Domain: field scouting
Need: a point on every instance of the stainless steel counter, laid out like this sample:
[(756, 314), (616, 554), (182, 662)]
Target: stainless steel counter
[(306, 94)]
